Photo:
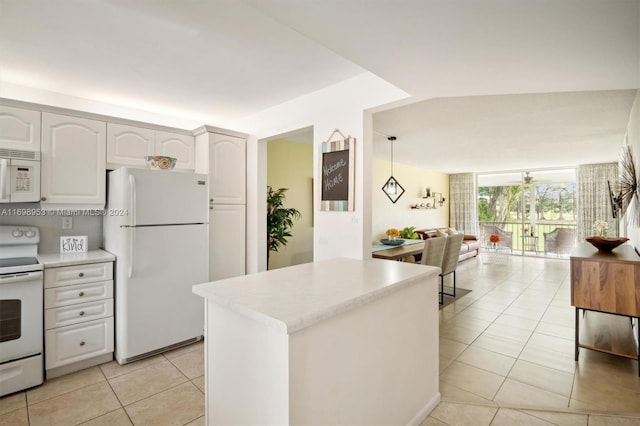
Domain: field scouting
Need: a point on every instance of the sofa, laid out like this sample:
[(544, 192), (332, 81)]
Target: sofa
[(470, 244)]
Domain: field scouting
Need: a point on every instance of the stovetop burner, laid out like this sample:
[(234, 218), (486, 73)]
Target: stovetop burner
[(18, 261)]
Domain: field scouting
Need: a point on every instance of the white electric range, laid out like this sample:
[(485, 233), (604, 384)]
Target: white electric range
[(21, 310)]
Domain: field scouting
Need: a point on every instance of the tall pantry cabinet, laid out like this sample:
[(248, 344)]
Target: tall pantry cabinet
[(222, 154)]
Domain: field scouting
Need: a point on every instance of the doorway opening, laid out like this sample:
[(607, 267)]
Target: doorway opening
[(290, 166)]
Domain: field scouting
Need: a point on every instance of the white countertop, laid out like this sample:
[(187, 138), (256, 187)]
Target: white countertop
[(53, 260), (290, 299)]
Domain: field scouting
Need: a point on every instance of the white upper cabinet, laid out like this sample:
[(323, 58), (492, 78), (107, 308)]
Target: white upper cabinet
[(182, 147), (19, 129), (73, 161), (227, 169), (128, 145)]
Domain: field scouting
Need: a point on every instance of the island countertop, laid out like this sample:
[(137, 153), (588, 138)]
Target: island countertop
[(292, 298)]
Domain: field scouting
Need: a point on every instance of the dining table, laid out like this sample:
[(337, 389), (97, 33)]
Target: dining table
[(409, 248)]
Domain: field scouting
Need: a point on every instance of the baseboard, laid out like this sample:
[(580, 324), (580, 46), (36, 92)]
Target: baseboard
[(425, 411), (77, 366)]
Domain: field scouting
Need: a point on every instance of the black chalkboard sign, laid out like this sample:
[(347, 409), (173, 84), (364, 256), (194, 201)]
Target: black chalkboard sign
[(335, 175)]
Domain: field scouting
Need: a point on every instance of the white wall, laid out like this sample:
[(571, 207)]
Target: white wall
[(341, 106), (414, 180), (633, 138)]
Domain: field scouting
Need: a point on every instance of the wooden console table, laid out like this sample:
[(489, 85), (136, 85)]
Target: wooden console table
[(609, 283)]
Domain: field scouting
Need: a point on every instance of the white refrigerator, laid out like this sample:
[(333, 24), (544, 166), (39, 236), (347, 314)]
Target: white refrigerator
[(156, 225)]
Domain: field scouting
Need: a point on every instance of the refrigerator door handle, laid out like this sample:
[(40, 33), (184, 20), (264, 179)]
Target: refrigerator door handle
[(132, 245), (132, 187)]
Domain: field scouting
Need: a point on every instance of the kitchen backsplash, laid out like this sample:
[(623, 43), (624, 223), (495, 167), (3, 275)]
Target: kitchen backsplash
[(50, 224)]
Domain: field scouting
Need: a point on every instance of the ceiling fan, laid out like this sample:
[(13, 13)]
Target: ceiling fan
[(528, 179)]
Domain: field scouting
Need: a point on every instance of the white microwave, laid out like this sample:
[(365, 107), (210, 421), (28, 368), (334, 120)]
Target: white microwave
[(19, 180)]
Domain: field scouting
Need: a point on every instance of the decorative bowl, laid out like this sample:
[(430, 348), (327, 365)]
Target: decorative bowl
[(392, 242), (606, 244), (160, 162)]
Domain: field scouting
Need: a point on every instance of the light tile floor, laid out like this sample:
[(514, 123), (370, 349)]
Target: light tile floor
[(507, 353), (506, 358), (166, 389)]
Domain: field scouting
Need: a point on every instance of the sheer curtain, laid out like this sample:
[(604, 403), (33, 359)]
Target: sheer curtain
[(463, 203), (593, 197)]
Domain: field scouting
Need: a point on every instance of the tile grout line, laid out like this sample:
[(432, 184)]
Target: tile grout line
[(503, 313), (116, 395)]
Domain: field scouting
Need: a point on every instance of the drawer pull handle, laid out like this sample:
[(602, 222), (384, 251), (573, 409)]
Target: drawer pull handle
[(81, 343), (81, 294), (81, 274), (81, 313)]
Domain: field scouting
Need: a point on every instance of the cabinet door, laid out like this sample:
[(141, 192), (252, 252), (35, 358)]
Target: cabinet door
[(128, 145), (227, 254), (19, 129), (73, 160), (182, 147), (227, 169)]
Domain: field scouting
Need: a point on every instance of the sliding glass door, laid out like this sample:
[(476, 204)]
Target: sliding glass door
[(525, 209)]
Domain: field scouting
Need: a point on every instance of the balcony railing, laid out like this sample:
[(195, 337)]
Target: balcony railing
[(519, 242)]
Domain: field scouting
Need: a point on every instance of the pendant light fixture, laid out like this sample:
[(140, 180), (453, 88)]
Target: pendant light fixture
[(392, 187)]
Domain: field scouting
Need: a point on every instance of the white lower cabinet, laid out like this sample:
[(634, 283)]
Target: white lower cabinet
[(227, 256), (78, 316), (78, 342)]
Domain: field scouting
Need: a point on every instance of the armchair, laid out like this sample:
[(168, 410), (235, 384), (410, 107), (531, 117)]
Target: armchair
[(560, 240), (506, 237)]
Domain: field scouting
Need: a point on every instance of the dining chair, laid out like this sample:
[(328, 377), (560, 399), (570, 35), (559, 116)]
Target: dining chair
[(450, 261), (433, 253)]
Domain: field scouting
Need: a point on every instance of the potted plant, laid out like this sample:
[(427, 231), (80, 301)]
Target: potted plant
[(279, 220), (409, 233)]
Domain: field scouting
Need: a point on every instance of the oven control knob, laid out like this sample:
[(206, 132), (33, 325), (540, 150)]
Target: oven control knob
[(30, 233), (17, 233)]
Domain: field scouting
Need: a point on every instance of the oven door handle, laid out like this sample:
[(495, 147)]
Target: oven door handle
[(20, 277)]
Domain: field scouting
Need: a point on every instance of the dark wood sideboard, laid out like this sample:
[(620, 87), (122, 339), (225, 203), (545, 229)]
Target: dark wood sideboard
[(608, 283)]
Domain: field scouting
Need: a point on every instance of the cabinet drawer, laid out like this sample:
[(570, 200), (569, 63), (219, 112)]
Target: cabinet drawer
[(79, 293), (67, 275), (67, 315), (73, 343)]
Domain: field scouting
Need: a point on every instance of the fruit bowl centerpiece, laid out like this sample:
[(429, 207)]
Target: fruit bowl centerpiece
[(396, 242), (606, 244), (160, 162), (392, 238)]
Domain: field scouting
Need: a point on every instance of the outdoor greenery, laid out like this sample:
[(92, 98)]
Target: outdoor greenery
[(279, 220), (512, 203)]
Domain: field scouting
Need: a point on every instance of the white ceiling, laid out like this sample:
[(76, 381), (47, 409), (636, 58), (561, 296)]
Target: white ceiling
[(507, 132), (509, 84)]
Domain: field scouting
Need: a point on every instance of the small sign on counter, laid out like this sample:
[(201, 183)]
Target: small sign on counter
[(73, 244)]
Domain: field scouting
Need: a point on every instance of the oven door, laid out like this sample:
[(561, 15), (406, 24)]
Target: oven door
[(20, 315)]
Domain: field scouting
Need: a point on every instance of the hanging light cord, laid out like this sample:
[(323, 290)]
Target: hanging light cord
[(392, 138)]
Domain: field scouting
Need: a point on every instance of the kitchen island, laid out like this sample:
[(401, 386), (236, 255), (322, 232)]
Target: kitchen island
[(341, 341)]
